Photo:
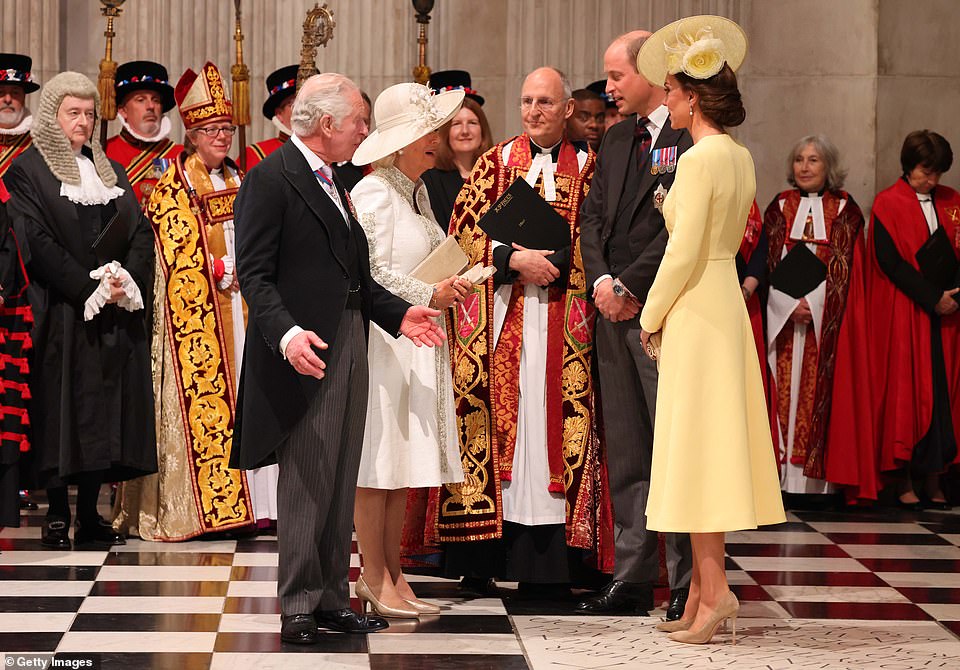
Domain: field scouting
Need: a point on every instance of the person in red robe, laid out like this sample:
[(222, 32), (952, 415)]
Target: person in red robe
[(915, 325), (281, 89), (814, 333), (143, 146)]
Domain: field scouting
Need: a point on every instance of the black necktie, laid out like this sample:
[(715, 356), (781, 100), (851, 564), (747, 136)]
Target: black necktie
[(642, 140)]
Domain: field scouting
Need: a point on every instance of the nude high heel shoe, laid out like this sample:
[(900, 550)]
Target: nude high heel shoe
[(727, 609), (367, 598), (422, 606), (674, 626)]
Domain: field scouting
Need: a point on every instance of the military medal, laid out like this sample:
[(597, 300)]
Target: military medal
[(659, 195), (160, 166)]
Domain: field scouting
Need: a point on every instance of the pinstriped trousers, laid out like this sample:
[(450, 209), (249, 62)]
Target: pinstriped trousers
[(318, 480)]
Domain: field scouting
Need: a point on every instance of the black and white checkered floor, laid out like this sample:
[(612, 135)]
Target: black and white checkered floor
[(824, 590)]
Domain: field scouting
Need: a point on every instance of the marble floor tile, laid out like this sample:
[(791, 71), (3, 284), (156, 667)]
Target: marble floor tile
[(827, 594), (252, 590), (799, 564), (270, 643), (739, 577), (569, 642), (242, 605), (439, 643), (52, 558), (763, 609), (40, 603), (35, 622), (169, 622), (925, 594), (254, 573), (448, 662), (775, 537), (942, 611), (237, 661), (158, 588), (919, 538), (153, 604), (935, 579), (953, 538), (861, 579), (856, 610), (24, 532), (258, 558), (120, 573), (735, 551), (101, 641), (193, 546), (866, 527), (249, 623), (463, 606), (925, 552), (27, 587), (25, 642), (168, 558), (154, 661)]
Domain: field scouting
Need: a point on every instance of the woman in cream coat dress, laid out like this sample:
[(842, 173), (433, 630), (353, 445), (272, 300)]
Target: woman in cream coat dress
[(713, 467), (410, 437)]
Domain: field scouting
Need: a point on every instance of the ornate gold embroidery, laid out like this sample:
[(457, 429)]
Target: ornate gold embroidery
[(204, 388)]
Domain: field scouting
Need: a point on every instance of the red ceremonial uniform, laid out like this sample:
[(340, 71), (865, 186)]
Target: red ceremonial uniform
[(145, 162), (257, 152)]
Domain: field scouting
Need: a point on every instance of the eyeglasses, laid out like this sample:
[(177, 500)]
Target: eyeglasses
[(546, 104), (213, 132)]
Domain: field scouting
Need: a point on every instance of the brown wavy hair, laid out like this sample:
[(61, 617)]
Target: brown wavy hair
[(444, 153), (720, 100)]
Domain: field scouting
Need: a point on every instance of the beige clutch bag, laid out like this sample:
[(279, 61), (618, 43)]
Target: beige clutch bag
[(653, 347)]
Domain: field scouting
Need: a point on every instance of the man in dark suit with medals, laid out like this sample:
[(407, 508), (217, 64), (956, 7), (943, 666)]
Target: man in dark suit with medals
[(623, 241), (304, 270)]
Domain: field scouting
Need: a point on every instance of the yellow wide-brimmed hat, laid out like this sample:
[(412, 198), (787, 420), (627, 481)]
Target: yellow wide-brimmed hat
[(404, 113), (698, 46)]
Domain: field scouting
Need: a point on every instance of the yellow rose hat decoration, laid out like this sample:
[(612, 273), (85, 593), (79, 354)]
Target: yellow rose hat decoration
[(698, 46)]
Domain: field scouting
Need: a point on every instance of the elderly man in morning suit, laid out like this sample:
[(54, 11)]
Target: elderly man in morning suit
[(305, 274)]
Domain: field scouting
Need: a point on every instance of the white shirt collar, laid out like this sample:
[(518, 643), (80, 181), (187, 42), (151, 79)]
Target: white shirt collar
[(313, 160), (658, 117)]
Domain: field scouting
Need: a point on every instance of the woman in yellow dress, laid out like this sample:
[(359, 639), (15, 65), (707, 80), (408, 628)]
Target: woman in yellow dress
[(713, 466)]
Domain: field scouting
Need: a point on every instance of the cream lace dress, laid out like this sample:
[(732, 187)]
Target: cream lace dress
[(410, 438)]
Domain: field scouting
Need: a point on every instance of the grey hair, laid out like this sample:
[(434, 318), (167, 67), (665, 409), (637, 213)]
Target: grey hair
[(827, 150), (321, 95), (567, 88), (388, 161)]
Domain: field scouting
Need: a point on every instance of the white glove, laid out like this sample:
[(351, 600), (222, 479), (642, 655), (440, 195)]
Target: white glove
[(131, 300)]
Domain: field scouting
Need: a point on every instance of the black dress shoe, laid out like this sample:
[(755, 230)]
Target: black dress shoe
[(26, 504), (939, 505), (480, 586), (678, 602), (55, 533), (298, 629), (97, 532), (619, 597), (348, 621)]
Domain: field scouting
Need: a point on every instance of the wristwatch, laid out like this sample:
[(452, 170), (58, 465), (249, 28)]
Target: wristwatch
[(619, 289)]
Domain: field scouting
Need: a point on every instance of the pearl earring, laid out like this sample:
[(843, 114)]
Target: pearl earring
[(400, 151), (691, 108)]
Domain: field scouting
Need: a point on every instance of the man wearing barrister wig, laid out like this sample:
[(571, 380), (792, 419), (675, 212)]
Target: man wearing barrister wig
[(281, 87), (16, 82), (92, 410), (198, 332), (623, 243), (143, 147), (521, 352)]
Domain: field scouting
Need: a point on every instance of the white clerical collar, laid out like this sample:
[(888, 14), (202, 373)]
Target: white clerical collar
[(162, 134), (925, 197), (22, 127), (811, 206), (91, 190)]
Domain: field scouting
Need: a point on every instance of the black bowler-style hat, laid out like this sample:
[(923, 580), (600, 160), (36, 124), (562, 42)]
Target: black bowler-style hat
[(144, 74), (15, 69), (281, 84), (600, 88), (454, 80)]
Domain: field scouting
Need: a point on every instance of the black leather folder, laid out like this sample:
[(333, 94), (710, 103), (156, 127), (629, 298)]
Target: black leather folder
[(799, 272), (937, 260), (520, 215)]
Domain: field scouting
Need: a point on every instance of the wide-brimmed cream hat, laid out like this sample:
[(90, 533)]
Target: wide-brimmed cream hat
[(404, 113), (698, 46)]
